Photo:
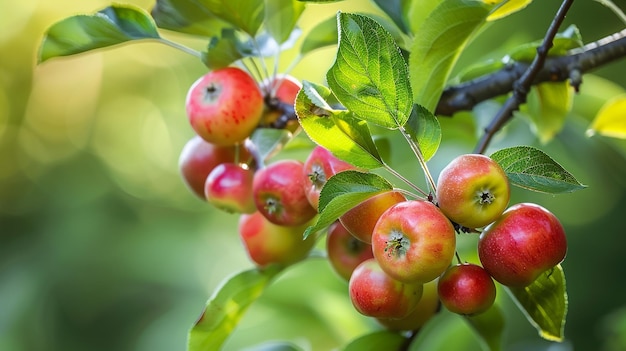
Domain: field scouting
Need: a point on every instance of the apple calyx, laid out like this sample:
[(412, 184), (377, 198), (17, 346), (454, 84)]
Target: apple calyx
[(211, 93), (397, 245)]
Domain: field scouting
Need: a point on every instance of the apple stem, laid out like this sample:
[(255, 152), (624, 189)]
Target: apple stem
[(402, 178), (420, 158), (263, 65), (458, 258), (408, 193)]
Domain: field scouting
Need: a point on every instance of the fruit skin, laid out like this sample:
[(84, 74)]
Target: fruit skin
[(373, 293), (414, 242), (466, 289), (199, 157), (319, 166), (229, 188), (524, 242), (426, 308), (224, 106), (267, 243), (345, 252), (285, 94), (473, 190), (278, 191), (361, 219)]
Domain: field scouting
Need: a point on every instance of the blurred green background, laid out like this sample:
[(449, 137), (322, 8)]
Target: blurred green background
[(103, 248)]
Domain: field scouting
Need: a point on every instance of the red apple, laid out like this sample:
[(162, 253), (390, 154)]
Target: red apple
[(267, 243), (224, 106), (361, 219), (320, 165), (345, 252), (414, 242), (278, 191), (373, 293), (466, 289), (426, 308), (473, 190), (281, 92), (229, 187), (524, 242)]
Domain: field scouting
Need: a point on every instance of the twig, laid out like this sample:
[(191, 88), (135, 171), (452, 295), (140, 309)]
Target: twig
[(522, 86)]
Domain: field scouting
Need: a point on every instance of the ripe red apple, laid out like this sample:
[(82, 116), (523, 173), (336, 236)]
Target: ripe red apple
[(426, 308), (199, 157), (361, 220), (224, 106), (414, 242), (473, 190), (466, 289), (320, 165), (373, 293), (281, 92), (267, 243), (345, 252), (278, 191), (524, 242), (229, 188)]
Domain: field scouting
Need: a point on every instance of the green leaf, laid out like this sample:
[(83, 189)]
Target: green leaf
[(267, 142), (281, 17), (226, 307), (187, 16), (380, 340), (489, 326), (342, 192), (437, 45), (396, 9), (339, 131), (275, 346), (544, 302), (506, 8), (548, 106), (226, 49), (246, 15), (320, 1), (564, 41), (113, 25), (611, 119), (424, 129), (369, 76), (322, 35), (530, 168)]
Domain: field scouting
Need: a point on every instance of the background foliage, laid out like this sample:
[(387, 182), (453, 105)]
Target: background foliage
[(102, 247)]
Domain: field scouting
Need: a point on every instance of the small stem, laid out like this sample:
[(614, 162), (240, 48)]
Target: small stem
[(181, 47), (458, 258), (420, 158), (402, 178), (408, 193), (614, 8), (263, 65)]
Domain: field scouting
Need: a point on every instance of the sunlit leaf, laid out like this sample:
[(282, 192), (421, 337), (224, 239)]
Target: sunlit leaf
[(530, 168), (548, 106), (506, 8), (611, 119), (226, 307), (323, 34), (379, 340), (187, 16), (369, 76), (438, 43), (424, 129), (544, 302), (342, 192), (113, 25), (281, 17), (246, 15), (489, 326)]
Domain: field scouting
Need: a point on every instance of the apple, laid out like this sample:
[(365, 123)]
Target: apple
[(280, 97), (374, 293), (426, 308), (345, 252), (229, 188), (524, 242), (361, 219), (414, 242), (278, 191), (466, 289), (267, 243), (199, 157), (224, 106), (320, 165), (473, 190)]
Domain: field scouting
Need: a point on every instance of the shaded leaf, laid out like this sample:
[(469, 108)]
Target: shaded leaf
[(379, 340), (396, 9), (323, 34), (544, 302), (489, 326), (246, 15), (564, 41), (530, 168), (611, 119), (281, 17), (226, 49), (424, 129), (187, 16), (506, 8), (275, 346), (548, 106), (267, 142)]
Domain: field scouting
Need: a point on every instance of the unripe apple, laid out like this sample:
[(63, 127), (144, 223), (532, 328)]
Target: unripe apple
[(320, 165), (473, 190), (267, 243), (345, 252), (426, 308), (224, 106), (374, 293), (281, 92), (229, 188), (199, 157), (278, 191), (466, 289), (524, 242), (414, 242), (361, 219)]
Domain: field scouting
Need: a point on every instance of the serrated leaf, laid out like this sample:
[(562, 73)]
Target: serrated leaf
[(548, 106), (611, 119), (379, 340), (342, 192), (489, 326), (226, 307), (544, 302), (424, 129), (113, 25), (437, 45), (369, 76), (506, 8), (530, 168), (323, 34), (267, 142), (281, 17), (187, 16), (345, 136)]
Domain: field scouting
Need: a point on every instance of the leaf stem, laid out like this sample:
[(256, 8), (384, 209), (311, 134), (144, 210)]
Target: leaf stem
[(404, 179), (408, 193), (180, 47), (611, 5), (420, 158)]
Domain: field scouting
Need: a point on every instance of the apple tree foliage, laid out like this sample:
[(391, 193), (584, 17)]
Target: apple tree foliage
[(389, 74)]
